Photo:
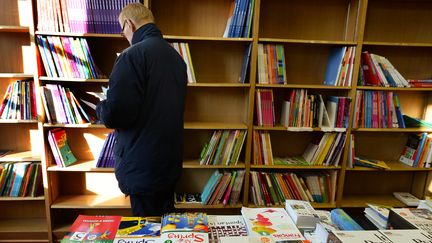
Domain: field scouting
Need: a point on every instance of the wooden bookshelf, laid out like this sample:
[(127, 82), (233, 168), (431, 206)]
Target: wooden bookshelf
[(24, 230), (22, 219), (308, 30)]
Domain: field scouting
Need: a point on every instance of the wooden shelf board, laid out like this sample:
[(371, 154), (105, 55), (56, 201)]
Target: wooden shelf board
[(214, 125), (81, 166), (302, 41), (24, 225), (201, 206), (99, 80), (13, 121), (392, 88), (16, 75), (360, 201), (204, 38), (86, 125), (303, 86), (407, 44), (22, 198), (394, 166), (411, 129), (13, 28), (220, 85), (91, 202), (20, 156), (79, 34), (187, 125), (194, 164), (297, 167)]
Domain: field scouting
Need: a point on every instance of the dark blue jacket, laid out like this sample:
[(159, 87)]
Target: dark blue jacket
[(145, 104)]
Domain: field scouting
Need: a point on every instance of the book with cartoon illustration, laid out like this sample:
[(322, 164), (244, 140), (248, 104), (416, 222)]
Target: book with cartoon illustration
[(270, 225), (184, 227), (132, 229), (174, 222), (87, 228)]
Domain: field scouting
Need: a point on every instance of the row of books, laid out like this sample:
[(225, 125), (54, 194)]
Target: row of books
[(297, 222), (300, 109), (80, 16), (67, 57), (324, 149), (275, 226), (184, 51), (377, 70), (223, 148), (106, 157), (417, 151), (19, 101), (223, 187), (340, 66), (268, 189), (271, 64), (21, 179), (377, 109), (420, 83), (62, 107), (239, 23)]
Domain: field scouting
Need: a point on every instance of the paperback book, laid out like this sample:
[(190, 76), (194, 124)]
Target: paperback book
[(270, 225), (87, 228)]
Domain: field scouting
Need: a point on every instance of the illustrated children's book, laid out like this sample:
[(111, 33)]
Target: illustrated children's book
[(270, 225), (174, 222), (138, 229), (88, 228), (185, 228)]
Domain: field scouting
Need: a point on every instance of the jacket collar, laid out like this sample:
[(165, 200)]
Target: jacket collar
[(145, 31)]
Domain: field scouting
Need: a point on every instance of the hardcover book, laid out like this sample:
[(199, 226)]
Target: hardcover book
[(302, 213)]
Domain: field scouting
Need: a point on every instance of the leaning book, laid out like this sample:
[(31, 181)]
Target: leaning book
[(98, 229)]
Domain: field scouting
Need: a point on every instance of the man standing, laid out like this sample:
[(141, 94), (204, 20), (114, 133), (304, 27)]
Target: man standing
[(145, 105)]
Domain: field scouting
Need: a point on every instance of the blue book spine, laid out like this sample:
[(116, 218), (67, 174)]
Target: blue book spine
[(333, 65), (420, 149)]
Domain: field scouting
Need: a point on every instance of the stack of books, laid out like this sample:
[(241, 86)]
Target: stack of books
[(378, 215)]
